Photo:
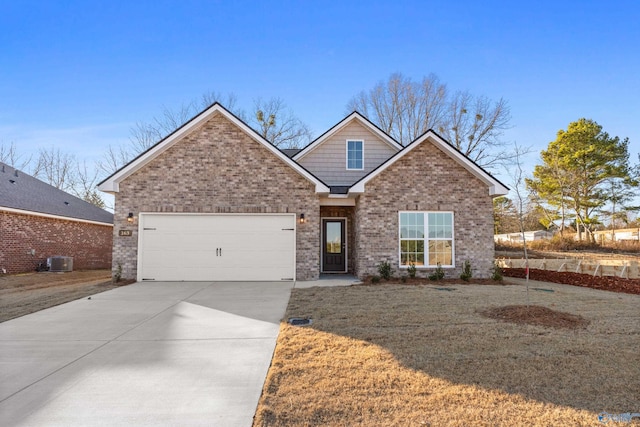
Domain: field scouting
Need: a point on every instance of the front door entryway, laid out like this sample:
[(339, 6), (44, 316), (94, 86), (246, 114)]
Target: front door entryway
[(334, 246)]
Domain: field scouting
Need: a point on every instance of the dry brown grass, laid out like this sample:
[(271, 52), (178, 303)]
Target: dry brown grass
[(398, 355), (22, 294)]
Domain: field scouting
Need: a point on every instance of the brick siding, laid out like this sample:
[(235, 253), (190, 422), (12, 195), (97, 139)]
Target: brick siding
[(21, 235), (425, 179), (217, 168)]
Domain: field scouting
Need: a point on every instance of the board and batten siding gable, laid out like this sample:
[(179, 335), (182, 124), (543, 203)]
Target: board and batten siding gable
[(328, 161)]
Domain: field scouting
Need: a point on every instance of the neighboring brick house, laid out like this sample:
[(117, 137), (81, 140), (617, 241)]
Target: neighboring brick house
[(216, 201), (38, 221)]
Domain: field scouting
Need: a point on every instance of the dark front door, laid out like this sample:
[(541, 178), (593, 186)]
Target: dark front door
[(334, 245)]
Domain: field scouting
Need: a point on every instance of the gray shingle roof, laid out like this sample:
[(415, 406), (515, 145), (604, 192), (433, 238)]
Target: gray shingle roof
[(340, 189), (21, 191), (291, 151)]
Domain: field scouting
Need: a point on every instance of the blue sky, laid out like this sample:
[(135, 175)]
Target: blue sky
[(80, 74)]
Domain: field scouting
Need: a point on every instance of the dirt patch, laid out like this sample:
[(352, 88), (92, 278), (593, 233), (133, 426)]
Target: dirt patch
[(22, 294), (536, 315), (604, 283)]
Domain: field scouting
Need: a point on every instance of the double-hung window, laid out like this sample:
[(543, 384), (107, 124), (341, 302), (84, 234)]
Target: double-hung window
[(355, 154), (426, 239)]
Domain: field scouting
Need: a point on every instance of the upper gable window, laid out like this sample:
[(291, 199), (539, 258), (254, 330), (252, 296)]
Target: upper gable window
[(355, 154)]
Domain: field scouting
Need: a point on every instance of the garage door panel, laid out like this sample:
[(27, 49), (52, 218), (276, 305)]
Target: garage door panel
[(217, 247), (247, 259), (173, 259)]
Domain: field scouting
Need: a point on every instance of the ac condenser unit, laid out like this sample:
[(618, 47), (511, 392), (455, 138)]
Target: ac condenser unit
[(60, 263)]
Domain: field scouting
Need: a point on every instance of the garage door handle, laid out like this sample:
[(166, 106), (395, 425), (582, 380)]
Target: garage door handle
[(218, 251)]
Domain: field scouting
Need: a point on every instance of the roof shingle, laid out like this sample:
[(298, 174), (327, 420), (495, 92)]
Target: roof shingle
[(21, 191)]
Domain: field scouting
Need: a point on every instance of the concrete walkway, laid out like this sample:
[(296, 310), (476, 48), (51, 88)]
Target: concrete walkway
[(330, 280), (148, 354)]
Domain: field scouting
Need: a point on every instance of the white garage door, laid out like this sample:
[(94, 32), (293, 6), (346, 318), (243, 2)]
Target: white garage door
[(198, 247)]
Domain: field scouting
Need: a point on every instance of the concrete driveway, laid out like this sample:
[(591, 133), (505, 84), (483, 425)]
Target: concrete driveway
[(151, 354)]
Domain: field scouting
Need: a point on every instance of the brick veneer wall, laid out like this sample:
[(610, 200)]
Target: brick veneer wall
[(426, 179), (88, 244), (217, 168)]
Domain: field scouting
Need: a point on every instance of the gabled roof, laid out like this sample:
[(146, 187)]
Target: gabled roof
[(22, 192), (496, 188), (355, 116), (111, 184)]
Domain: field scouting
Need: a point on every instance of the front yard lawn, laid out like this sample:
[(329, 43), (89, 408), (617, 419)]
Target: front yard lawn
[(427, 355)]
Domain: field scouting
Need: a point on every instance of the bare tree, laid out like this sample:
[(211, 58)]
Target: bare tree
[(278, 125), (403, 108), (518, 185), (146, 134), (474, 125), (406, 109), (9, 155), (113, 159), (85, 184), (55, 168)]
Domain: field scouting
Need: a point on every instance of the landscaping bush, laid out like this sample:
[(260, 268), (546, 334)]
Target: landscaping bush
[(438, 274), (384, 268), (412, 270), (466, 271)]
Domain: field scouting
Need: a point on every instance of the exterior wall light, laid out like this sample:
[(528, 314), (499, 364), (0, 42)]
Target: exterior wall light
[(302, 220), (130, 217)]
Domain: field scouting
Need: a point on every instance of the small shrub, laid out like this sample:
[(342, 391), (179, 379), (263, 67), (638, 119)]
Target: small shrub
[(497, 273), (412, 270), (375, 279), (118, 274), (466, 271), (438, 274), (403, 279), (384, 268)]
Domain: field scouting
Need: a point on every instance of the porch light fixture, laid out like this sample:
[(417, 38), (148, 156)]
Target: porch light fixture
[(130, 217), (302, 220)]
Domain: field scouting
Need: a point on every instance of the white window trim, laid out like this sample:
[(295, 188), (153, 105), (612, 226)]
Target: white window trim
[(426, 242), (346, 152)]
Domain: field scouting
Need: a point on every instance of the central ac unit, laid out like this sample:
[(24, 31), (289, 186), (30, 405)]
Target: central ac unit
[(60, 263)]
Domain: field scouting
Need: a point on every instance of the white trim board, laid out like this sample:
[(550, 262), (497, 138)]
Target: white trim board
[(45, 215), (112, 183), (496, 188)]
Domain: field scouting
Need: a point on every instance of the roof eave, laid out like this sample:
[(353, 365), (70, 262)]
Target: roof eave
[(111, 184), (495, 187)]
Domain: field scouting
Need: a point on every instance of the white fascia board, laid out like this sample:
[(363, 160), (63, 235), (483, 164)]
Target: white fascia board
[(111, 185), (320, 186), (51, 216), (495, 187), (341, 124)]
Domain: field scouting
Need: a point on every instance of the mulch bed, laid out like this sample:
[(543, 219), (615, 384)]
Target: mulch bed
[(536, 315), (605, 283), (424, 281)]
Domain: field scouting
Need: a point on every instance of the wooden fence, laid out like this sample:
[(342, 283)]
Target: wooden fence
[(597, 267)]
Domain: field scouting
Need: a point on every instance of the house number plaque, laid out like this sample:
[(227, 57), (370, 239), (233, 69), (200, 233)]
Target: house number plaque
[(124, 233)]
